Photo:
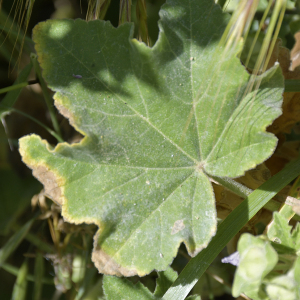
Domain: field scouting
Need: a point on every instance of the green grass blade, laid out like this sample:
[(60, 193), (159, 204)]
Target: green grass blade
[(14, 241), (36, 241), (228, 229), (20, 287), (86, 285), (14, 271), (13, 87), (141, 15), (18, 34), (38, 276), (47, 97), (14, 91), (125, 11), (52, 132)]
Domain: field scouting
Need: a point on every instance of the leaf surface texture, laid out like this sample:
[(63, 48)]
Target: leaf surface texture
[(157, 122)]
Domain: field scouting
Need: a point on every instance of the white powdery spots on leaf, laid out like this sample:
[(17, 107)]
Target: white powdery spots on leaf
[(178, 226)]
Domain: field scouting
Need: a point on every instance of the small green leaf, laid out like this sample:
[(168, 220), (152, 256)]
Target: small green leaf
[(257, 295), (297, 276), (296, 238), (280, 231), (158, 122), (257, 259), (285, 286)]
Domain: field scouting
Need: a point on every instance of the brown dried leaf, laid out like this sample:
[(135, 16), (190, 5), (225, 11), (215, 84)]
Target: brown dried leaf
[(291, 101), (295, 53)]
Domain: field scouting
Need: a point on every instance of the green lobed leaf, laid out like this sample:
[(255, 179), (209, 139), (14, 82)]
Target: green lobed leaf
[(286, 241), (285, 286), (257, 259), (296, 237), (257, 295), (280, 231), (157, 122), (297, 277)]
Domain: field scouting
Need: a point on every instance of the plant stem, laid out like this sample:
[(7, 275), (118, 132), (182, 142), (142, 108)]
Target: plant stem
[(243, 191), (17, 86), (53, 133), (233, 186), (13, 87)]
